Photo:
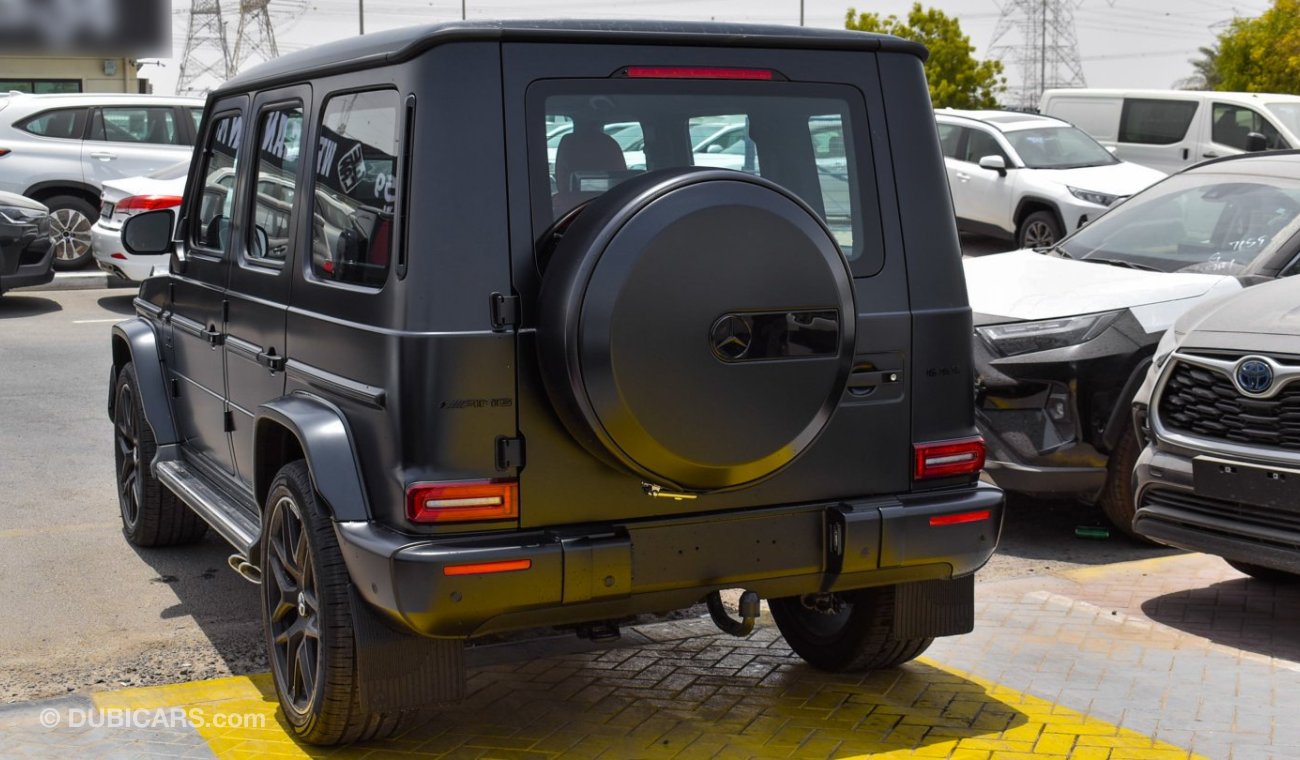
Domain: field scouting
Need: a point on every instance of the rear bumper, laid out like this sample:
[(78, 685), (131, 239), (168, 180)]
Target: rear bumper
[(609, 571)]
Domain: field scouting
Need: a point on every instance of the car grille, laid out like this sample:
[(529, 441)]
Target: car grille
[(1229, 518), (1205, 403)]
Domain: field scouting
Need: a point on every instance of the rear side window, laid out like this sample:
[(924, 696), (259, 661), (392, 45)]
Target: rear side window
[(356, 188), (154, 125), (810, 139), (949, 139), (66, 123), (211, 225), (1155, 122), (279, 147)]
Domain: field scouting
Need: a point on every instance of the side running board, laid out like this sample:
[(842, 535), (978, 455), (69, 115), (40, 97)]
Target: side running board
[(226, 518)]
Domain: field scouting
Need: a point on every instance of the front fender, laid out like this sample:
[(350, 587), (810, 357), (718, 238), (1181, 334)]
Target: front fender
[(323, 436), (136, 341)]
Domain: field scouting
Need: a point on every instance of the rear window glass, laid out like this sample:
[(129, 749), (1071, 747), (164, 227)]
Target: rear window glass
[(68, 123), (809, 139)]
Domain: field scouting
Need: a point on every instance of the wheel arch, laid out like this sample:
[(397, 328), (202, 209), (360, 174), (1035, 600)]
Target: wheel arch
[(302, 426), (135, 341), (1032, 203), (42, 190)]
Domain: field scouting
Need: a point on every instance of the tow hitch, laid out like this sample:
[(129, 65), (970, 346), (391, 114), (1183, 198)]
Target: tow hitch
[(728, 624)]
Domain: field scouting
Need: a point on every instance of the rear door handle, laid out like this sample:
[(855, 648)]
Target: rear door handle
[(963, 176), (863, 382), (1210, 154), (103, 155)]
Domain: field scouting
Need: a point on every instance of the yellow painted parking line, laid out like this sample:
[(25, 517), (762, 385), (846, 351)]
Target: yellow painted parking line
[(1152, 565), (581, 706)]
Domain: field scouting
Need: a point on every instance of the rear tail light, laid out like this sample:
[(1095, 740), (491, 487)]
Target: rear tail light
[(470, 501), (5, 151), (138, 203), (942, 459), (696, 72)]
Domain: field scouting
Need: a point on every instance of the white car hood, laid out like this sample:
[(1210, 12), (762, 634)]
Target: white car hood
[(1123, 178), (1024, 285)]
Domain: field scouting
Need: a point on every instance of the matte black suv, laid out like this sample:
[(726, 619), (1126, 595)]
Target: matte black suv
[(432, 383)]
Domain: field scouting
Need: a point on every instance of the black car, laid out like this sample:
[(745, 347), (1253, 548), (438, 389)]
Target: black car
[(1064, 335), (26, 249), (431, 386)]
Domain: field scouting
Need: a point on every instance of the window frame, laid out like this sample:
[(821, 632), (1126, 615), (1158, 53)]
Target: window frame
[(249, 222), (199, 181), (398, 229)]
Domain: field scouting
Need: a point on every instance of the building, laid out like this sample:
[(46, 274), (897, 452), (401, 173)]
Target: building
[(57, 73)]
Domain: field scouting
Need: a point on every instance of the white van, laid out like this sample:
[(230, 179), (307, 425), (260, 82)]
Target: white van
[(1172, 129)]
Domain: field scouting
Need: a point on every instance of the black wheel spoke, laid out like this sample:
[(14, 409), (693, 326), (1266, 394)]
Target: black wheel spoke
[(306, 669)]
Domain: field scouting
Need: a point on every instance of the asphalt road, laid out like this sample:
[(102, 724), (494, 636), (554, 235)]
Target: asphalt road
[(83, 610)]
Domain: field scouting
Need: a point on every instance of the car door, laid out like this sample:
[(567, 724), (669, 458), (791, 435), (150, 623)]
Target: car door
[(265, 244), (1161, 133), (131, 140), (195, 358), (985, 193)]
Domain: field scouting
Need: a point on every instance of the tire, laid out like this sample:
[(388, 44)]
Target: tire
[(307, 619), (1262, 573), (151, 514), (856, 638), (1038, 230), (70, 221), (1116, 499)]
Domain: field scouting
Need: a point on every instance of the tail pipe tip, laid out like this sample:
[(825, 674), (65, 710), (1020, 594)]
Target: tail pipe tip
[(726, 623), (247, 570)]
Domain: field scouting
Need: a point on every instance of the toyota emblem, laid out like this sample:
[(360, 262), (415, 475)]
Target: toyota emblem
[(1254, 376)]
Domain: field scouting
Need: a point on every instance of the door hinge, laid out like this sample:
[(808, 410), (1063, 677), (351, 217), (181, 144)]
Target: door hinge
[(270, 360), (229, 421), (510, 453), (505, 310)]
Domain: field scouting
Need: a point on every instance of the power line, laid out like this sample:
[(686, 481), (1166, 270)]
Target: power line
[(1037, 39)]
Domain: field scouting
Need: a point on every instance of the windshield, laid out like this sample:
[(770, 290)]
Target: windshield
[(1209, 223), (1058, 148), (1288, 114)]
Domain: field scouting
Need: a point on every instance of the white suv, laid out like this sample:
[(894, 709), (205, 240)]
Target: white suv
[(59, 150), (1028, 177)]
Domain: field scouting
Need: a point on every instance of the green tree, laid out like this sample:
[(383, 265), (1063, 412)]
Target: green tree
[(956, 78), (1262, 54)]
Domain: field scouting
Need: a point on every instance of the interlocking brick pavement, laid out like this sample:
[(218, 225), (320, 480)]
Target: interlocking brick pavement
[(1174, 658)]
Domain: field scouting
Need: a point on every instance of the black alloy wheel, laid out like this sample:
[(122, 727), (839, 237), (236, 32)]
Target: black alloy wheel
[(289, 582)]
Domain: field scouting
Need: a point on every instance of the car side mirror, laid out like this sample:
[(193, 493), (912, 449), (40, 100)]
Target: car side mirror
[(994, 163), (1255, 142), (714, 148), (261, 243), (149, 233)]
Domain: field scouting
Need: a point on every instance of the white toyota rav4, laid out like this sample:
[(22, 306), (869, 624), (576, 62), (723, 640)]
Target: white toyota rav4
[(1028, 177)]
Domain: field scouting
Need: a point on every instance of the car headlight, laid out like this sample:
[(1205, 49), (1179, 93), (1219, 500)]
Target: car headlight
[(20, 215), (1091, 196), (1016, 338), (1166, 347)]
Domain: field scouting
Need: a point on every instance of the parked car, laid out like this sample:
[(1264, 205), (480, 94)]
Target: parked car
[(60, 149), (418, 445), (1170, 130), (1030, 178), (26, 249), (124, 198), (1218, 414), (1064, 336)]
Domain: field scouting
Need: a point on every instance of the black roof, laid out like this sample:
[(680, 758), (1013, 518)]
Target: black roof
[(399, 44)]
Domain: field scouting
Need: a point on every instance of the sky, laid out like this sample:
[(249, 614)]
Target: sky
[(1122, 43)]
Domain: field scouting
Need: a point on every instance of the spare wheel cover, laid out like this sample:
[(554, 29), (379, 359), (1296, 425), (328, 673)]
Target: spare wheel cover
[(697, 327)]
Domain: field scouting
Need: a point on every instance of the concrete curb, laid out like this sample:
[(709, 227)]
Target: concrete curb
[(78, 281)]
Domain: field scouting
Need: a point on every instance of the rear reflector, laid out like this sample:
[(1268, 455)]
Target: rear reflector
[(462, 502), (120, 256), (148, 202), (943, 459), (483, 568), (696, 72), (4, 151), (958, 519)]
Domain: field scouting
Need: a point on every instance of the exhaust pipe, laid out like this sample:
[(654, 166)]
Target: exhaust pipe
[(247, 570), (725, 622)]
